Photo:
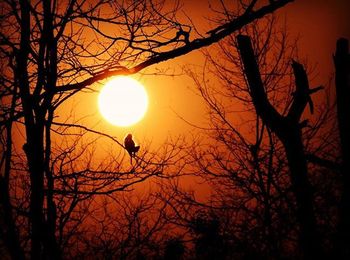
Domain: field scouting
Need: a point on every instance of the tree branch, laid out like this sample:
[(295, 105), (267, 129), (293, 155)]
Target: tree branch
[(251, 69), (302, 92), (312, 158), (221, 32)]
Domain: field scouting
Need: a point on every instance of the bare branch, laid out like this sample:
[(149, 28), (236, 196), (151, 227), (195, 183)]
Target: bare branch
[(221, 33)]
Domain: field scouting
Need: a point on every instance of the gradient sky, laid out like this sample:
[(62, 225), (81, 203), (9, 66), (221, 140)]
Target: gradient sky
[(318, 24)]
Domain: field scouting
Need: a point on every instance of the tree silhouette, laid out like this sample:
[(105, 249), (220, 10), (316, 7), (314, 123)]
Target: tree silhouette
[(259, 139), (209, 243), (243, 161), (288, 129), (342, 83), (50, 51)]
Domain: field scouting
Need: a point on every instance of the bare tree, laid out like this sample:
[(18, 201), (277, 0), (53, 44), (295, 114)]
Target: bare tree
[(245, 159), (53, 50), (288, 130)]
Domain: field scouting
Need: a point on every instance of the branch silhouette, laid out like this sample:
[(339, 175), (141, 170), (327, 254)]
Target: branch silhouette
[(215, 35), (288, 129)]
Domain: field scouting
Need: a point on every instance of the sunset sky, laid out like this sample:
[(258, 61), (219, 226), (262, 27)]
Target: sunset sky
[(231, 156), (318, 24)]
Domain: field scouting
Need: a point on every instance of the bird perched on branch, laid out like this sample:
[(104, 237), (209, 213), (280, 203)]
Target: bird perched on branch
[(129, 145)]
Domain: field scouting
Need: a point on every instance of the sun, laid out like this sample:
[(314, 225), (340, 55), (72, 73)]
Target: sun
[(123, 101)]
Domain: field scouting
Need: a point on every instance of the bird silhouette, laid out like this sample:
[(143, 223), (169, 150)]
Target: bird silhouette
[(129, 145)]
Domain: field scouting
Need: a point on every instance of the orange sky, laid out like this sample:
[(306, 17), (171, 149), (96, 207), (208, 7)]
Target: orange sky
[(318, 23)]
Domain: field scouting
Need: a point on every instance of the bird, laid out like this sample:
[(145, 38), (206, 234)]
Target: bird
[(129, 145)]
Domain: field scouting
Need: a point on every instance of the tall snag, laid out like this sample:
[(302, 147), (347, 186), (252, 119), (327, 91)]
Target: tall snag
[(342, 84), (288, 130)]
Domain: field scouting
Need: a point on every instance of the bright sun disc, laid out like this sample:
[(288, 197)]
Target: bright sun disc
[(123, 101)]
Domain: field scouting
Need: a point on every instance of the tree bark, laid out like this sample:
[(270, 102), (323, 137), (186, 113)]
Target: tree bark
[(342, 83), (288, 130)]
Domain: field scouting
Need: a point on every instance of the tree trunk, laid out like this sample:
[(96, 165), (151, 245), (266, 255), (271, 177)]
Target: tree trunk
[(52, 248), (36, 170), (43, 241), (302, 189), (34, 133), (342, 83), (288, 131), (9, 232)]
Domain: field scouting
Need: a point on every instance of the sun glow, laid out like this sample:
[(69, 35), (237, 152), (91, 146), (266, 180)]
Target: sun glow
[(123, 101)]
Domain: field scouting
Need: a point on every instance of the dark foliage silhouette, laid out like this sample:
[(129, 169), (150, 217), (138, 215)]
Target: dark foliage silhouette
[(174, 250)]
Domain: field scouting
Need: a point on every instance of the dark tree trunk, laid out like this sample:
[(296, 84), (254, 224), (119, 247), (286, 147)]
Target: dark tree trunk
[(34, 124), (342, 83), (36, 169), (43, 241), (309, 239), (33, 147), (52, 249), (9, 233), (49, 44), (287, 128)]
